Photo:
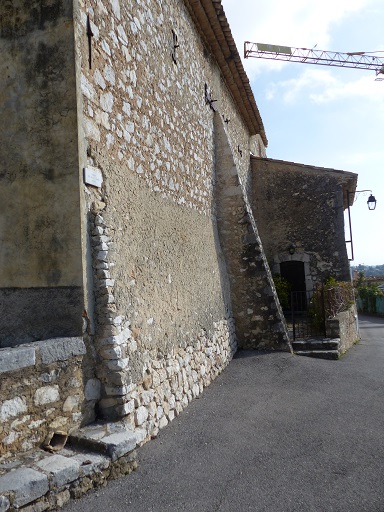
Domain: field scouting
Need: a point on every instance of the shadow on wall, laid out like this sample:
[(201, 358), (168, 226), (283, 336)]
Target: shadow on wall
[(246, 281), (32, 314), (224, 279)]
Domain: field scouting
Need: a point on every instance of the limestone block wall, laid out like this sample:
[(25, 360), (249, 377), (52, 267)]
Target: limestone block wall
[(44, 388), (345, 327), (302, 206), (258, 317), (40, 239), (135, 264), (163, 319), (162, 322), (146, 111)]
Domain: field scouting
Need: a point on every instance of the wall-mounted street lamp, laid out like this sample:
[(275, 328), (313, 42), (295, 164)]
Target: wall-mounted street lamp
[(371, 203), (291, 249)]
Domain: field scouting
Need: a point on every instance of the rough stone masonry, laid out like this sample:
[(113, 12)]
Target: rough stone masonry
[(127, 236)]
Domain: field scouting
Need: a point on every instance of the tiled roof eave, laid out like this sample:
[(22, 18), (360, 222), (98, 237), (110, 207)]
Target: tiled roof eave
[(212, 24)]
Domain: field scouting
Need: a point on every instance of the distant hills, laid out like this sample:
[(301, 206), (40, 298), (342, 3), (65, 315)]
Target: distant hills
[(369, 270)]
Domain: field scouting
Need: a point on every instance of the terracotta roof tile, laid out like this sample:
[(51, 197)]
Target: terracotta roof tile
[(212, 24)]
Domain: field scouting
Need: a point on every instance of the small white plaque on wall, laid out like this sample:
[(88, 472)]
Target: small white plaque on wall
[(93, 176)]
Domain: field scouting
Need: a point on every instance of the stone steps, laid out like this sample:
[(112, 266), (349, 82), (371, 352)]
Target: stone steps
[(38, 480), (322, 348), (320, 354), (111, 439)]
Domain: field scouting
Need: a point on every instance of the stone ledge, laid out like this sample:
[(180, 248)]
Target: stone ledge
[(16, 358), (111, 439), (38, 481), (319, 354), (50, 350), (60, 349), (60, 470), (24, 485)]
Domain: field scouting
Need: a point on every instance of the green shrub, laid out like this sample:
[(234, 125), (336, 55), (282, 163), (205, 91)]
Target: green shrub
[(283, 290), (368, 294)]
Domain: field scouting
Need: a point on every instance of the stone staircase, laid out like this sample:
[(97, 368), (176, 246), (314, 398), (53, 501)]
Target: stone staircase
[(322, 348), (37, 480)]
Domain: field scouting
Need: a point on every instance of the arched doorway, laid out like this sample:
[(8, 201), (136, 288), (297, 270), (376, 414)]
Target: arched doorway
[(294, 273)]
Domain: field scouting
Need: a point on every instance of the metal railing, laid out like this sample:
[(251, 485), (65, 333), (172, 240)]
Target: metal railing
[(307, 314)]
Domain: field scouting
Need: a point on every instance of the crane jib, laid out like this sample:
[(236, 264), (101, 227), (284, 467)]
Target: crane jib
[(359, 60)]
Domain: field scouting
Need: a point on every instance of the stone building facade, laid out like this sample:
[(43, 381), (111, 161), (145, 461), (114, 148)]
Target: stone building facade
[(303, 206), (131, 268)]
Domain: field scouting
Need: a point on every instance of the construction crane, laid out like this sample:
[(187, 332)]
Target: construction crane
[(360, 60)]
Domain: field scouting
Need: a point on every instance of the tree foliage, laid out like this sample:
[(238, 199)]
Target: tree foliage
[(367, 292), (370, 270)]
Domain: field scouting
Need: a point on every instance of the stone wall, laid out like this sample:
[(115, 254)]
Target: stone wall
[(158, 336), (136, 262), (44, 388), (302, 206), (258, 317), (40, 249), (146, 114), (163, 315), (345, 327)]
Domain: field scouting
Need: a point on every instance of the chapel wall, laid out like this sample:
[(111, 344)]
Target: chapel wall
[(162, 320)]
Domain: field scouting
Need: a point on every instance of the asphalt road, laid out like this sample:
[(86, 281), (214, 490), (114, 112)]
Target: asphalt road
[(274, 433)]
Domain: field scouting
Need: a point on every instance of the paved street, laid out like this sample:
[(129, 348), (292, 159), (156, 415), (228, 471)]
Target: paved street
[(274, 432)]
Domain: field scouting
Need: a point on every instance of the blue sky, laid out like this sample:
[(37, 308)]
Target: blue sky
[(324, 116)]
